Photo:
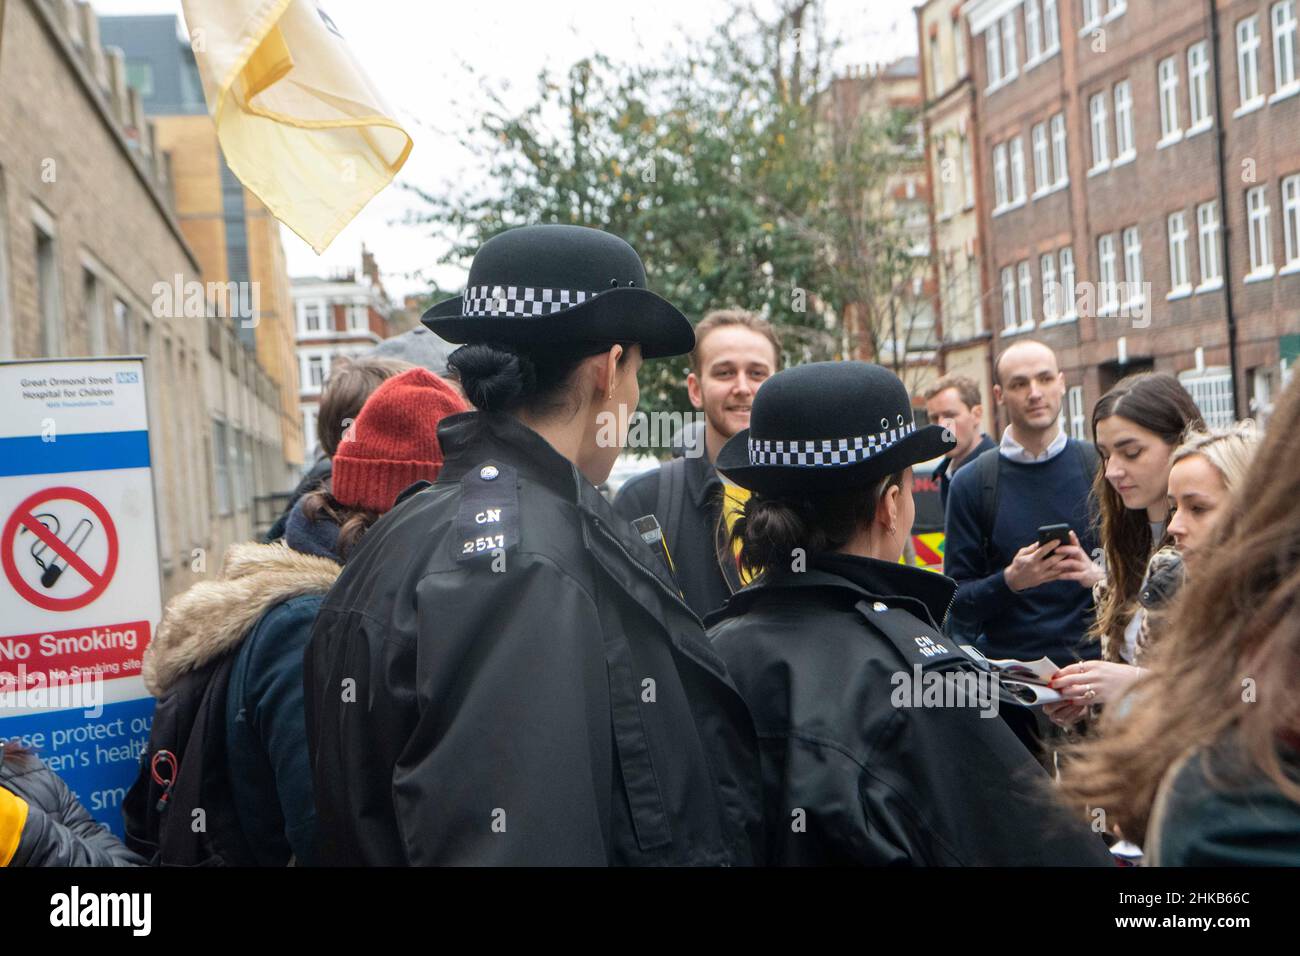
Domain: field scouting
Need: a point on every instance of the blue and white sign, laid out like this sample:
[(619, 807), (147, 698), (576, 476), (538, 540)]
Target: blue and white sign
[(80, 593)]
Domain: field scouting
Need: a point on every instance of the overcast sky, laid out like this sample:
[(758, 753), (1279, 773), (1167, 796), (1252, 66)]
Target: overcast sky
[(413, 51)]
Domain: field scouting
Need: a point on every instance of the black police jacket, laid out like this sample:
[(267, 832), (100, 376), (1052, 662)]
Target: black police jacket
[(860, 764), (502, 675)]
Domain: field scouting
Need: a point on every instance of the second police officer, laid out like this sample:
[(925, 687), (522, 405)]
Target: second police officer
[(859, 766)]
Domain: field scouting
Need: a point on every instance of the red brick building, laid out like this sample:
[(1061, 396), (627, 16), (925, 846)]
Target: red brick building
[(339, 317), (1140, 190)]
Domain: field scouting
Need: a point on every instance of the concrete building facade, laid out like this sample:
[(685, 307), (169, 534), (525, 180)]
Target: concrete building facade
[(233, 234), (90, 251)]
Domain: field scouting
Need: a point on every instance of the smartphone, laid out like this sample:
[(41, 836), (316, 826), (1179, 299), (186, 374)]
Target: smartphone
[(1057, 532)]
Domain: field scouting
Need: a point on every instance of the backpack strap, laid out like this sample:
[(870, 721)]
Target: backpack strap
[(987, 469), (670, 499), (1088, 459)]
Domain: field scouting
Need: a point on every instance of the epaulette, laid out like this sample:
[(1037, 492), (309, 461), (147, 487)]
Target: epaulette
[(916, 642), (488, 521)]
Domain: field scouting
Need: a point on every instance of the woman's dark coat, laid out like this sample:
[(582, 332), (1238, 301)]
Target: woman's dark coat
[(503, 675), (822, 656)]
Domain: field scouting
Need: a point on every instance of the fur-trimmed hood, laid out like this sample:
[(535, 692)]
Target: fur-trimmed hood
[(214, 616)]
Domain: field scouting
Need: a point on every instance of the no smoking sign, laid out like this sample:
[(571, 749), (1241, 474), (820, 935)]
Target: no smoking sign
[(59, 549)]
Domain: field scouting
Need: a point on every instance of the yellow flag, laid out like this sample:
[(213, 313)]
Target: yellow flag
[(300, 124)]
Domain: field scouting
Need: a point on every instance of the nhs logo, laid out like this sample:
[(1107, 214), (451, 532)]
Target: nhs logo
[(128, 378)]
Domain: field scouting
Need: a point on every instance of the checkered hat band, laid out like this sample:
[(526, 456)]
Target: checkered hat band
[(825, 452), (519, 302)]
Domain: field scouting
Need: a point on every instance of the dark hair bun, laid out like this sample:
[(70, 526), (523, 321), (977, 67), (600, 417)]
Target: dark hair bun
[(495, 377)]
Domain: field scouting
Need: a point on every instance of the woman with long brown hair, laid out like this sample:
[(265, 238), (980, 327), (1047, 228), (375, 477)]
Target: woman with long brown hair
[(1136, 427), (1209, 771)]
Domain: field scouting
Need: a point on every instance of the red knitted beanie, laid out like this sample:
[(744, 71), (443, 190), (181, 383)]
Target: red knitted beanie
[(394, 441)]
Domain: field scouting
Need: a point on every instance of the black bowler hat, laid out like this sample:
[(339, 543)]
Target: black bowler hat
[(554, 286), (827, 427)]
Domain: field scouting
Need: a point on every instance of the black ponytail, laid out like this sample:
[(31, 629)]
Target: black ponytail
[(769, 529), (500, 378)]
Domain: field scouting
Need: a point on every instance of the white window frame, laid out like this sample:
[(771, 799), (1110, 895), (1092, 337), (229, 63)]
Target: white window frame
[(1017, 171), (968, 174), (1078, 421), (221, 467), (1001, 187), (1198, 88), (1051, 29), (1033, 33), (1060, 152), (936, 75), (1248, 87), (1180, 282), (92, 287), (1125, 150), (123, 327), (959, 49), (1025, 280), (1171, 130), (1291, 222), (993, 55), (49, 284), (308, 357), (1283, 20), (1100, 119), (305, 308), (1043, 181), (1257, 229), (310, 416), (359, 317), (1207, 242), (1051, 289), (1132, 239), (1107, 275), (1211, 390), (1069, 287), (1009, 300), (1091, 15), (1010, 54)]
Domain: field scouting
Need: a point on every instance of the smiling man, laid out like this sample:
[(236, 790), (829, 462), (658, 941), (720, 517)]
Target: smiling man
[(735, 352)]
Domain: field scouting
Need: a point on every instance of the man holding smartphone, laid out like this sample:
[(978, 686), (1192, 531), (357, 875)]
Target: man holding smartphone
[(1021, 593)]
